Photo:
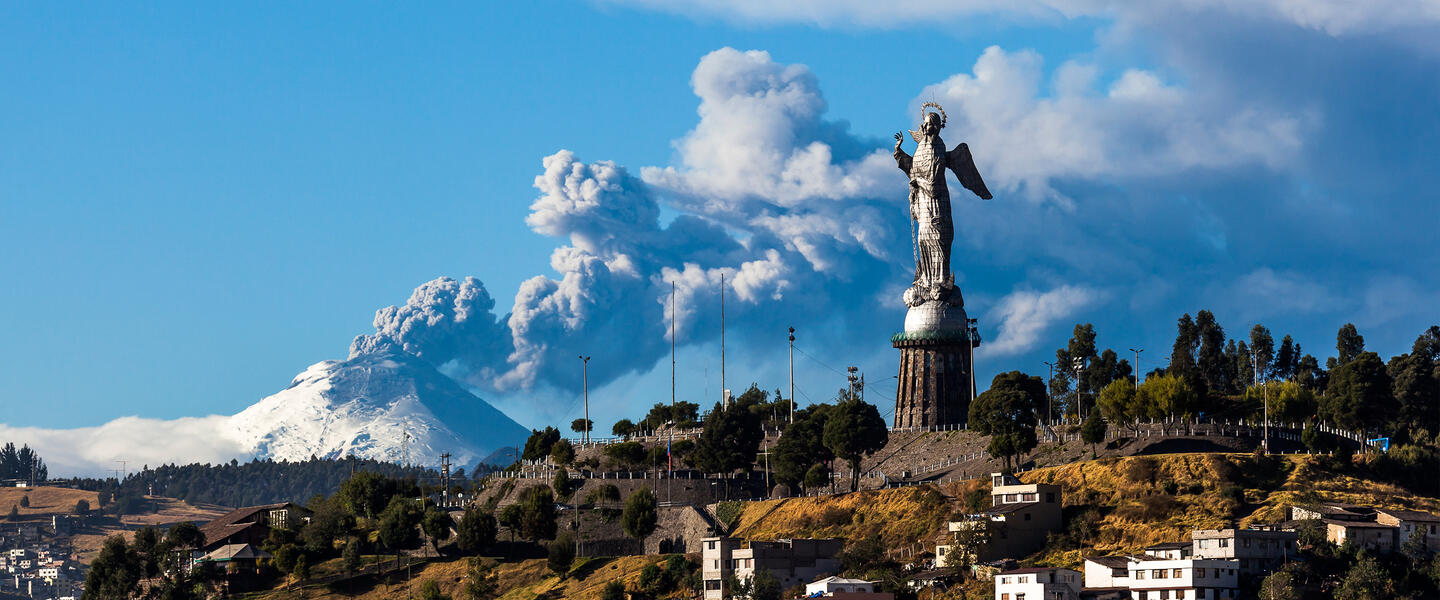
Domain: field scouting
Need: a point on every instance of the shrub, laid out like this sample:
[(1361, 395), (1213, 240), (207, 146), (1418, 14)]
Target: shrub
[(614, 590), (562, 554), (1141, 470), (834, 516)]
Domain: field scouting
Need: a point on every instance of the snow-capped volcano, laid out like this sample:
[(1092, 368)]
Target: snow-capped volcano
[(365, 406)]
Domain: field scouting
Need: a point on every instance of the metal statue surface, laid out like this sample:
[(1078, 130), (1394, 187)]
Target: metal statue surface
[(930, 206)]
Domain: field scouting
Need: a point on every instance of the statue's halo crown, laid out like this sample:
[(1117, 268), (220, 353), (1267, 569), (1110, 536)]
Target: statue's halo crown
[(915, 134), (937, 109)]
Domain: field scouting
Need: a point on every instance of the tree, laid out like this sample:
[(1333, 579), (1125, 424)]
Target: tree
[(1168, 396), (476, 530), (329, 522), (627, 454), (1364, 581), (817, 477), (1289, 401), (1308, 372), (562, 452), (1280, 585), (1348, 344), (14, 514), (1187, 340), (25, 501), (1262, 347), (115, 571), (764, 586), (561, 483), (301, 569), (1006, 414), (481, 582), (437, 524), (366, 493), (854, 431), (1120, 404), (730, 439), (430, 590), (1211, 357), (82, 507), (613, 590), (623, 428), (561, 554), (536, 517), (1359, 396), (538, 445), (350, 557), (1285, 359), (1415, 383), (640, 514), (801, 446), (1093, 430), (184, 535), (398, 523), (582, 425)]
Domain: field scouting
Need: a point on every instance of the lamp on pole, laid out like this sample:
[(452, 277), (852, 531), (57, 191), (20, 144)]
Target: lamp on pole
[(792, 375), (1137, 366), (586, 370), (1049, 409), (1078, 364)]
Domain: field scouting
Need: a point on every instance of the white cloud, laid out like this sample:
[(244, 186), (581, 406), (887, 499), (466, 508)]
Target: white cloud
[(1264, 292), (1024, 315), (92, 451)]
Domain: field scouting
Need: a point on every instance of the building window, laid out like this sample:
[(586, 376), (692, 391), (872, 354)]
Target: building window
[(1180, 594), (1020, 596), (1004, 596), (1139, 575), (709, 545), (1200, 573), (1164, 594), (712, 584), (1004, 580), (1203, 543), (1027, 497), (1144, 595), (1157, 573), (1022, 579), (1010, 498), (1224, 543), (1176, 574)]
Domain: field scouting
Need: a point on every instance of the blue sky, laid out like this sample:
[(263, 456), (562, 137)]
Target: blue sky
[(198, 202)]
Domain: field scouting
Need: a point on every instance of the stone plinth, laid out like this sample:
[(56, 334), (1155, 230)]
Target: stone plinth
[(934, 382)]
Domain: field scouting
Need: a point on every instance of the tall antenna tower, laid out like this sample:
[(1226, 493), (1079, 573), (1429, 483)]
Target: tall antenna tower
[(724, 398)]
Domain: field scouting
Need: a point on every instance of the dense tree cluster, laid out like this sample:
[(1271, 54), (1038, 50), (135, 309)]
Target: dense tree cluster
[(256, 482), (22, 464), (1219, 377)]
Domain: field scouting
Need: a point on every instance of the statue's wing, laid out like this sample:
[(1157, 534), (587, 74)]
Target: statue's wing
[(959, 161)]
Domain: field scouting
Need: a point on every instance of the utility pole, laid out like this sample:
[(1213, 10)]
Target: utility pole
[(1137, 367), (974, 333), (1078, 363), (445, 478), (1265, 431), (792, 375), (586, 370), (1049, 409), (672, 350)]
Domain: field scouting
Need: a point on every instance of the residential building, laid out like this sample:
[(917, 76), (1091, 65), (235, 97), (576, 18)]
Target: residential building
[(1408, 522), (793, 562), (1368, 535), (252, 524), (1336, 511), (1169, 550), (1038, 583), (1184, 579), (842, 588), (1260, 551), (1020, 518), (1103, 572)]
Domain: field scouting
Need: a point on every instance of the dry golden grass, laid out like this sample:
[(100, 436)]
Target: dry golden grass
[(900, 517), (45, 501), (524, 579)]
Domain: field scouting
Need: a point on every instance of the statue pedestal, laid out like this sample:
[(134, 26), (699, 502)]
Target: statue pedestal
[(935, 354)]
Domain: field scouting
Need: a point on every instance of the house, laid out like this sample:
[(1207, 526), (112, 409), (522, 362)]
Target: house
[(840, 587), (1260, 551), (1020, 518), (235, 557), (1335, 511), (1184, 579), (252, 524), (1408, 523), (792, 561), (1104, 572), (1169, 550), (1038, 583), (1368, 535)]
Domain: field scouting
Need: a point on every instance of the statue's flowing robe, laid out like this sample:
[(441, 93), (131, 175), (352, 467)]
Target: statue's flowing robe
[(930, 204)]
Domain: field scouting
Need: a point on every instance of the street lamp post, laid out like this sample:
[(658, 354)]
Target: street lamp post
[(792, 375), (586, 370), (1049, 408), (1137, 366), (1078, 364)]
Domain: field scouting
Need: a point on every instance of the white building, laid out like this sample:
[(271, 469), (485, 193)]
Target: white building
[(1408, 522), (1038, 583), (1108, 572), (1184, 579), (840, 587), (1260, 551), (793, 562), (1020, 518)]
